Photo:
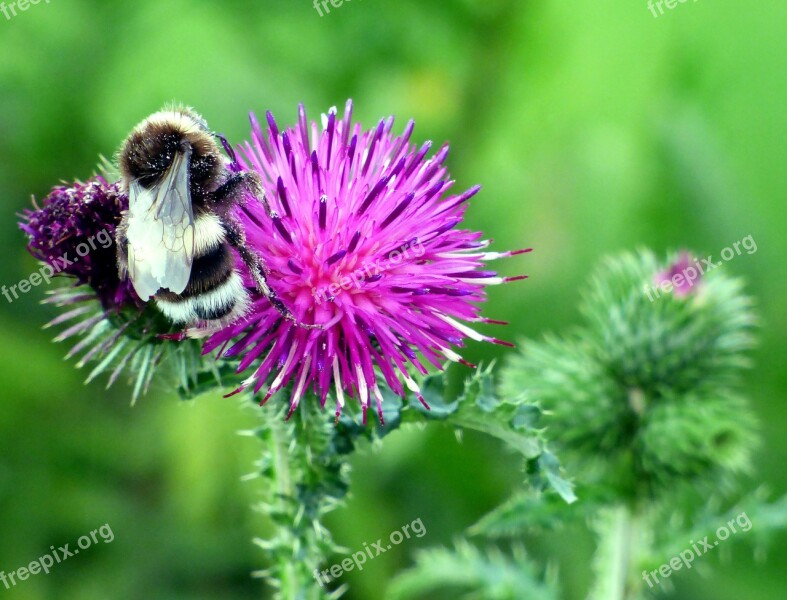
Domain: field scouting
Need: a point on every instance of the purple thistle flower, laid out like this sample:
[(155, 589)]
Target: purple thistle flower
[(362, 238), (74, 233), (685, 284)]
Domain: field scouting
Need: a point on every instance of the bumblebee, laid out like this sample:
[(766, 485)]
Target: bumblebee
[(174, 242)]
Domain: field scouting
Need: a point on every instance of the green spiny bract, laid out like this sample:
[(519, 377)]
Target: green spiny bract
[(643, 397)]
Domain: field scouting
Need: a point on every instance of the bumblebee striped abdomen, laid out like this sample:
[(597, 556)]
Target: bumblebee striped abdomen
[(215, 290)]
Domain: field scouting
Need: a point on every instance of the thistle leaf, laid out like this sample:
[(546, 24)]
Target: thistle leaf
[(490, 575)]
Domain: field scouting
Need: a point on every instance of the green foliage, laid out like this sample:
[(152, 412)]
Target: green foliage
[(476, 408), (558, 369), (693, 521), (643, 404), (305, 464), (514, 423), (686, 438), (476, 575), (524, 513), (643, 397)]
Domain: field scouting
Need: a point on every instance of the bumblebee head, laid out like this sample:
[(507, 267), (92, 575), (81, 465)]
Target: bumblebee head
[(150, 148)]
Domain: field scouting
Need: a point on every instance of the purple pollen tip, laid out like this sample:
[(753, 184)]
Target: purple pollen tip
[(255, 125), (228, 149), (272, 125), (282, 193), (423, 401), (373, 194), (267, 397), (336, 257), (450, 225), (469, 194), (293, 267), (282, 229), (398, 210), (234, 392), (323, 210), (354, 242), (475, 274), (285, 143)]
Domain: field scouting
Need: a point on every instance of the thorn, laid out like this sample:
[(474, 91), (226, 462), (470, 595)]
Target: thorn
[(266, 398), (494, 322), (178, 336)]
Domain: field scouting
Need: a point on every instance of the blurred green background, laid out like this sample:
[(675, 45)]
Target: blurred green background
[(594, 127)]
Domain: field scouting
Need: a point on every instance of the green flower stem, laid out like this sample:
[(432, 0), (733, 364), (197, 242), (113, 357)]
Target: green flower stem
[(615, 564), (305, 477), (295, 560), (294, 584)]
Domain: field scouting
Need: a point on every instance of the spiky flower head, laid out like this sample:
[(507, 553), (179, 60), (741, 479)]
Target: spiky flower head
[(645, 395), (363, 238), (73, 231)]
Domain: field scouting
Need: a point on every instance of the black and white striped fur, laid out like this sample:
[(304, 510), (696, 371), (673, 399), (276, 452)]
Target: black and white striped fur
[(215, 294), (215, 291)]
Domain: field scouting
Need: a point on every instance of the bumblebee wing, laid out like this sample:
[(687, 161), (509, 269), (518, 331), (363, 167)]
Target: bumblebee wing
[(161, 231)]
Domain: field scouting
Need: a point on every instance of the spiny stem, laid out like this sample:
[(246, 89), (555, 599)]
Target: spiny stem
[(621, 537), (303, 468), (283, 491)]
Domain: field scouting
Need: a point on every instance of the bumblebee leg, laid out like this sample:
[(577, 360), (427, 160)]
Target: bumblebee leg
[(237, 239)]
